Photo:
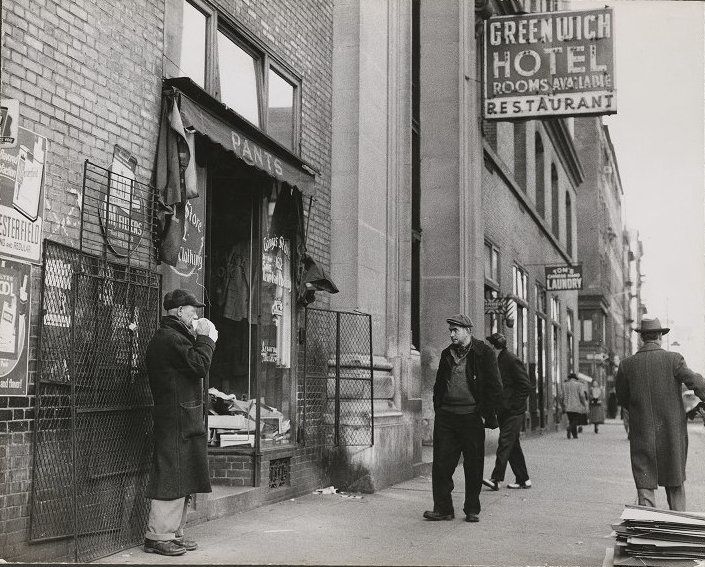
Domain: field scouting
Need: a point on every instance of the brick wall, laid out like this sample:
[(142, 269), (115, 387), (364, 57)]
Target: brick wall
[(88, 75)]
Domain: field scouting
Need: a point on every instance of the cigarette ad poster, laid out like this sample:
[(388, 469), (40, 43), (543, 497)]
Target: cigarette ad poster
[(549, 64), (22, 197), (15, 290)]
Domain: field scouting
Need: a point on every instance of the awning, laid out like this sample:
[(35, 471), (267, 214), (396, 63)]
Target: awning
[(224, 127)]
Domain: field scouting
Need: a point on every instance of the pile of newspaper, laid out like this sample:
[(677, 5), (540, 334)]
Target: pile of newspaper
[(659, 538)]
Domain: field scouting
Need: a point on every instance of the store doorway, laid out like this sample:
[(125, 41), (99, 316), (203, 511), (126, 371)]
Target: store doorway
[(250, 292)]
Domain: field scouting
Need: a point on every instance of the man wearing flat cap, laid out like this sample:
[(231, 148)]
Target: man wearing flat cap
[(516, 388), (468, 389), (649, 385), (178, 359)]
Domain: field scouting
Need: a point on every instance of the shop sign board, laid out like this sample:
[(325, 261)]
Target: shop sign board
[(15, 291), (123, 214), (564, 278), (9, 122), (549, 64), (22, 197)]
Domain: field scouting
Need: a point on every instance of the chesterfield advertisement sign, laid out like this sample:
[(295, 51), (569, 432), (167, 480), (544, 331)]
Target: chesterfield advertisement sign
[(549, 64)]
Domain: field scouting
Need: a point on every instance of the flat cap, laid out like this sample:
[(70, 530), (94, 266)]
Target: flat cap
[(460, 320), (179, 298)]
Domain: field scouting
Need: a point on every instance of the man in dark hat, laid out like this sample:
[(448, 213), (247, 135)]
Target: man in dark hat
[(178, 358), (649, 385), (515, 390), (468, 389)]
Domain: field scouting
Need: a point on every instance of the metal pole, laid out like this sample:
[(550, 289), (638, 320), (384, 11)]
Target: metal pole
[(305, 398), (336, 431), (72, 378), (372, 385)]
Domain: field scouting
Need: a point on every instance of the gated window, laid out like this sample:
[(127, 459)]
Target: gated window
[(100, 307)]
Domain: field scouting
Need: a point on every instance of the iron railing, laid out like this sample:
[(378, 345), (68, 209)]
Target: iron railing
[(338, 378)]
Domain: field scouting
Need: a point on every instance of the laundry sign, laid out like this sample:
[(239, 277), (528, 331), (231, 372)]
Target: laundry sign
[(549, 64), (564, 278)]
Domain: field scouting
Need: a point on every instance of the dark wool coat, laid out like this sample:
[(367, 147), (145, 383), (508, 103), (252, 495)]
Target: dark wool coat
[(516, 386), (177, 364), (482, 375), (649, 385)]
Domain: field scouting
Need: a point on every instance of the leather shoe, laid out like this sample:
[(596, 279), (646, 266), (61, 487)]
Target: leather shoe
[(187, 544), (437, 516), (163, 547), (472, 518), (525, 484), (491, 484)]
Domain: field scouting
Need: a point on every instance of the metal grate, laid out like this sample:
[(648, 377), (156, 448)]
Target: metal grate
[(279, 472), (117, 218), (338, 378), (93, 404)]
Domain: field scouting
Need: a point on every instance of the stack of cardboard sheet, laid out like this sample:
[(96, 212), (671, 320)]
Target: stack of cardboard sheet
[(651, 537)]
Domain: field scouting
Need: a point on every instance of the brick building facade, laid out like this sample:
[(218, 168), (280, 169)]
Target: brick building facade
[(89, 76)]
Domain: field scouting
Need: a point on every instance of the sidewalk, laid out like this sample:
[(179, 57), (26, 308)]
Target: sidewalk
[(580, 488)]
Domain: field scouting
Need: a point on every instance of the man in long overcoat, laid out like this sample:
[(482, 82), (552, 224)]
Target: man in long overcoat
[(468, 389), (516, 388), (178, 359), (648, 385)]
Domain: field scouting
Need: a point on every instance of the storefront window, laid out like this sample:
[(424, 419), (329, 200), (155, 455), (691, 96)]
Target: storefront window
[(275, 324), (280, 111), (238, 78), (192, 62)]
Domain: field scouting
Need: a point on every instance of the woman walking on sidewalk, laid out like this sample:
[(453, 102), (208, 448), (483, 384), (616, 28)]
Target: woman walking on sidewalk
[(597, 410), (574, 403)]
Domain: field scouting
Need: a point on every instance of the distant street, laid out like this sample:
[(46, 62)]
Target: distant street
[(580, 488)]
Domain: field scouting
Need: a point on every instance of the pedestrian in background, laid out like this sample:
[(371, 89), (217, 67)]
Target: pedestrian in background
[(515, 390), (178, 358), (597, 410), (468, 389), (649, 385), (574, 403)]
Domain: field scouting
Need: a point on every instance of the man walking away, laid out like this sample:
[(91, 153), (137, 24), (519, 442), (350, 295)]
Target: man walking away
[(467, 389), (574, 403), (515, 390), (178, 358), (649, 385)]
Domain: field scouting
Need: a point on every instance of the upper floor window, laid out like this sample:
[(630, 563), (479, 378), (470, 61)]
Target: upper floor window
[(540, 298), (192, 60), (540, 187), (520, 154), (554, 200), (238, 71), (555, 310), (568, 224), (519, 284), (491, 263)]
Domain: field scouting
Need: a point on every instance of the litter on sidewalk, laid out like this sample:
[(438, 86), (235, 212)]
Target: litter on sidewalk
[(650, 537), (334, 490)]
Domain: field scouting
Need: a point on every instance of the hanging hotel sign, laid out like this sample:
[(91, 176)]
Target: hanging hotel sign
[(564, 278), (123, 214), (549, 64), (22, 197)]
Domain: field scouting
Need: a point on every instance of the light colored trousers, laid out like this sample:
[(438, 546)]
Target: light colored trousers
[(674, 494), (167, 519)]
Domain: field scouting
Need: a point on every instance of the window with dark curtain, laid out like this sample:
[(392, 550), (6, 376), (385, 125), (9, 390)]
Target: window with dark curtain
[(568, 224), (415, 174), (554, 200), (540, 188)]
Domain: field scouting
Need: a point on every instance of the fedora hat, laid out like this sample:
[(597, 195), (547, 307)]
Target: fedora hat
[(653, 325)]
